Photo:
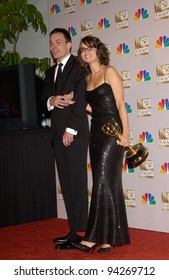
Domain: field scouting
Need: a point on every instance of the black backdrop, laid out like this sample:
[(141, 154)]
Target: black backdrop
[(27, 177)]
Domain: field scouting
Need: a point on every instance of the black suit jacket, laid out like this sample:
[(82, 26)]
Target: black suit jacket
[(72, 116)]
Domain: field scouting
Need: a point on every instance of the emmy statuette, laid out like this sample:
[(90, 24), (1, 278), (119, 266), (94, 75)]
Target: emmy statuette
[(134, 155)]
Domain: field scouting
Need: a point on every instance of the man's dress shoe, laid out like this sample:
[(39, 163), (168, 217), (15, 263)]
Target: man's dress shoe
[(64, 246), (73, 237), (70, 236)]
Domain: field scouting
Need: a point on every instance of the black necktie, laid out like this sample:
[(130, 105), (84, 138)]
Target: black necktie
[(59, 73)]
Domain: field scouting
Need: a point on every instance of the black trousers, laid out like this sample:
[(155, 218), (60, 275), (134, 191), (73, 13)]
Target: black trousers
[(71, 164)]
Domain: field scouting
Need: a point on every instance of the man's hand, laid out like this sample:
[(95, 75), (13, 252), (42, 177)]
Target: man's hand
[(61, 101), (67, 138)]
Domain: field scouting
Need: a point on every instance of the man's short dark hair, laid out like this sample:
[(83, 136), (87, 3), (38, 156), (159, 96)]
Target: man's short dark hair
[(64, 32)]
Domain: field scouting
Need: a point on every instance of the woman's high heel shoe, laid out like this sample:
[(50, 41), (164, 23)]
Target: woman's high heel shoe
[(104, 250), (84, 247)]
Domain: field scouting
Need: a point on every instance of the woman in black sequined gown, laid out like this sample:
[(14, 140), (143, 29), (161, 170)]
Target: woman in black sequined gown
[(107, 223)]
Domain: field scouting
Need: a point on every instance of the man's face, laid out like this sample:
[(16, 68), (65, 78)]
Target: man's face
[(59, 48)]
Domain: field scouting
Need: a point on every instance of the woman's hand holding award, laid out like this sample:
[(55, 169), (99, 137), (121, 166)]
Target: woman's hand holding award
[(134, 155)]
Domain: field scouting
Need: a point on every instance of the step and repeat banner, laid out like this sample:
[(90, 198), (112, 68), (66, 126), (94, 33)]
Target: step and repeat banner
[(137, 35)]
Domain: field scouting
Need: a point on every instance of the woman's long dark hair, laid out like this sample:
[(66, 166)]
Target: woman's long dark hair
[(102, 51)]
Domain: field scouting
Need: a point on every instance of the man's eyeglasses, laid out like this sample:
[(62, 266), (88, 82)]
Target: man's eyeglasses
[(89, 49)]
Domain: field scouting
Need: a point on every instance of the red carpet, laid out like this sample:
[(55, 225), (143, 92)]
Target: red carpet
[(33, 241)]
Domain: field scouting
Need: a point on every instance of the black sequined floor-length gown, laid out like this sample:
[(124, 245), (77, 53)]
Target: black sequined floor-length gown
[(107, 221)]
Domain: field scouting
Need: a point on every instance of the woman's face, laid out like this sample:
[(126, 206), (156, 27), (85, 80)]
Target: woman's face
[(88, 53)]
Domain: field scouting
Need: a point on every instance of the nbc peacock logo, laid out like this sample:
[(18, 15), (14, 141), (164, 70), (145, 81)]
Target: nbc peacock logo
[(141, 14), (72, 31), (165, 168), (145, 137), (128, 108), (103, 24), (122, 49), (148, 198), (126, 168), (162, 42), (55, 9), (85, 2), (163, 105), (143, 76)]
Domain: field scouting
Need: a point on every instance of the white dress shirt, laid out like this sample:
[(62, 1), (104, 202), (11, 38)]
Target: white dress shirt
[(51, 107)]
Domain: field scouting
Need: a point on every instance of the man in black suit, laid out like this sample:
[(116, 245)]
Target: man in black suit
[(69, 127)]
